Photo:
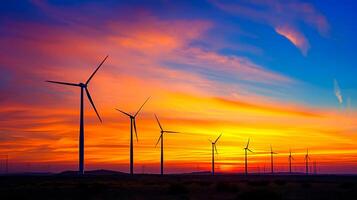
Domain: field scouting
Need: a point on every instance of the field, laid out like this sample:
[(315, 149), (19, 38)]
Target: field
[(121, 186)]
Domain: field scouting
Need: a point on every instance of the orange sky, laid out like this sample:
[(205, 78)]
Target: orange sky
[(40, 121)]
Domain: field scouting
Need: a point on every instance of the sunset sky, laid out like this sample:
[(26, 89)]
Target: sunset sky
[(282, 73)]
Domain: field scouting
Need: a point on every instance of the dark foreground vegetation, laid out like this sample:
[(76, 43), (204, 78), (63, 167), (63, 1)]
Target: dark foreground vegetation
[(121, 186)]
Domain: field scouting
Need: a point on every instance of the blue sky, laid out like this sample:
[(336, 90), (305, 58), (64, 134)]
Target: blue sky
[(331, 53)]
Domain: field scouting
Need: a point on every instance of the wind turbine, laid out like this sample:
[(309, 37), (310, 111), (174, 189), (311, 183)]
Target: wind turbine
[(290, 161), (246, 149), (307, 158), (272, 159), (133, 126), (83, 86), (161, 138), (214, 148)]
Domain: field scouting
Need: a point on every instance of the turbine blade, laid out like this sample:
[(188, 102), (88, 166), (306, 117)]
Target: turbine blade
[(171, 132), (248, 143), (157, 119), (123, 112), (271, 149), (250, 150), (218, 138), (96, 70), (91, 101), (210, 141), (141, 107), (63, 83), (215, 148), (158, 140), (136, 133)]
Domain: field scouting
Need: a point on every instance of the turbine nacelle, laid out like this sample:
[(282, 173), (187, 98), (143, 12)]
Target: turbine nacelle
[(246, 148), (162, 131), (84, 85), (133, 117), (214, 143)]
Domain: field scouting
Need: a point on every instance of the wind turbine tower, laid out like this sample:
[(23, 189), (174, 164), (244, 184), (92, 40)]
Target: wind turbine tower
[(133, 126), (161, 138), (246, 149), (214, 148), (272, 159), (84, 87), (290, 161), (307, 158)]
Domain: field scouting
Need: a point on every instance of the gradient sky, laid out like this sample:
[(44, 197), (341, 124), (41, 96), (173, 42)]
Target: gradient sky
[(279, 72)]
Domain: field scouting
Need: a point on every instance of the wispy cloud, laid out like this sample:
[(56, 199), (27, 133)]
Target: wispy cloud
[(294, 37), (337, 91), (284, 16)]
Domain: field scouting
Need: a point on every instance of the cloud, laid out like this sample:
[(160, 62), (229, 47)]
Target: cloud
[(294, 37), (337, 91), (284, 16)]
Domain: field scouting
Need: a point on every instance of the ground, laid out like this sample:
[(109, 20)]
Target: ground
[(121, 186)]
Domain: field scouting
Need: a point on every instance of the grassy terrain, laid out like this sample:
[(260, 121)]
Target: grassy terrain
[(178, 187)]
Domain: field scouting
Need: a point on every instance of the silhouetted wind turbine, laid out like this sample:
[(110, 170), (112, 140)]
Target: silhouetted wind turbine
[(246, 157), (214, 148), (133, 126), (161, 138), (83, 86), (272, 159), (307, 158), (290, 161)]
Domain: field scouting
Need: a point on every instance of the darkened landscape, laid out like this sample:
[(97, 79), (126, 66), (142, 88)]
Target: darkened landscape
[(108, 185)]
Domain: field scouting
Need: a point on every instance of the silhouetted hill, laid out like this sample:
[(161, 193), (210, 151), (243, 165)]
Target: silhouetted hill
[(99, 172), (199, 173)]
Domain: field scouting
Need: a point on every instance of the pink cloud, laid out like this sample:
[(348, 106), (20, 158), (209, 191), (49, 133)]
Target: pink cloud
[(284, 16), (294, 37)]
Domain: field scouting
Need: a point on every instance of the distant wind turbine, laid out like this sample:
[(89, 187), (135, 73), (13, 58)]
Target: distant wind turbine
[(290, 161), (214, 148), (272, 159), (133, 126), (83, 86), (161, 138), (246, 149), (307, 158)]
